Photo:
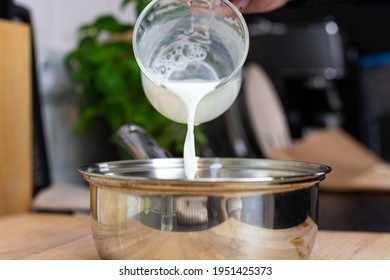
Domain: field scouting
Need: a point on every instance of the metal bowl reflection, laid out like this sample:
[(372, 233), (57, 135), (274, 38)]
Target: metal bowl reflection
[(234, 209)]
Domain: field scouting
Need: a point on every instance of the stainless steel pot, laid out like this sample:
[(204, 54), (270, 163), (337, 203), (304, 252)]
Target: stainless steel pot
[(234, 209)]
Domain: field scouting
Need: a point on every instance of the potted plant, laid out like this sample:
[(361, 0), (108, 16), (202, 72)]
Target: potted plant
[(107, 79)]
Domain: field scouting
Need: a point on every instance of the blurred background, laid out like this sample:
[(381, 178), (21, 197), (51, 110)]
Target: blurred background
[(330, 66), (56, 25)]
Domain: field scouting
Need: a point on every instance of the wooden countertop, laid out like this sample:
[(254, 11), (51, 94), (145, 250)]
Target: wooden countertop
[(64, 237)]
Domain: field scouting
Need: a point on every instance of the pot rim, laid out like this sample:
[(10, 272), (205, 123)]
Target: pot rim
[(128, 174)]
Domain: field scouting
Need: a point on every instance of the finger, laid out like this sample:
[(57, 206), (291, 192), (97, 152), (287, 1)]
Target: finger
[(258, 6)]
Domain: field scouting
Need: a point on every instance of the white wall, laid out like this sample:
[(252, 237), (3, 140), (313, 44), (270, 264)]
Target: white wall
[(56, 21)]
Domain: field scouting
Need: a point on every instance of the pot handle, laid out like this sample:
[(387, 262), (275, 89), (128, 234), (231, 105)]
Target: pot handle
[(139, 144)]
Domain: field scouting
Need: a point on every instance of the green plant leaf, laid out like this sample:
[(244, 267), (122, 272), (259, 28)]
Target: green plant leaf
[(125, 3), (85, 27), (108, 82), (86, 118), (87, 42), (111, 24), (141, 4)]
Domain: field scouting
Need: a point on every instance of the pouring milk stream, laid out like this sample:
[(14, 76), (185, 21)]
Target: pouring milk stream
[(191, 72)]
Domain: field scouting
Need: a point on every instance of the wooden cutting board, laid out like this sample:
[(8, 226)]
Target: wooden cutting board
[(15, 118)]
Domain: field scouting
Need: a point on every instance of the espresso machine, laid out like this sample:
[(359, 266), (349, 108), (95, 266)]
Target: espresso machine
[(305, 60)]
